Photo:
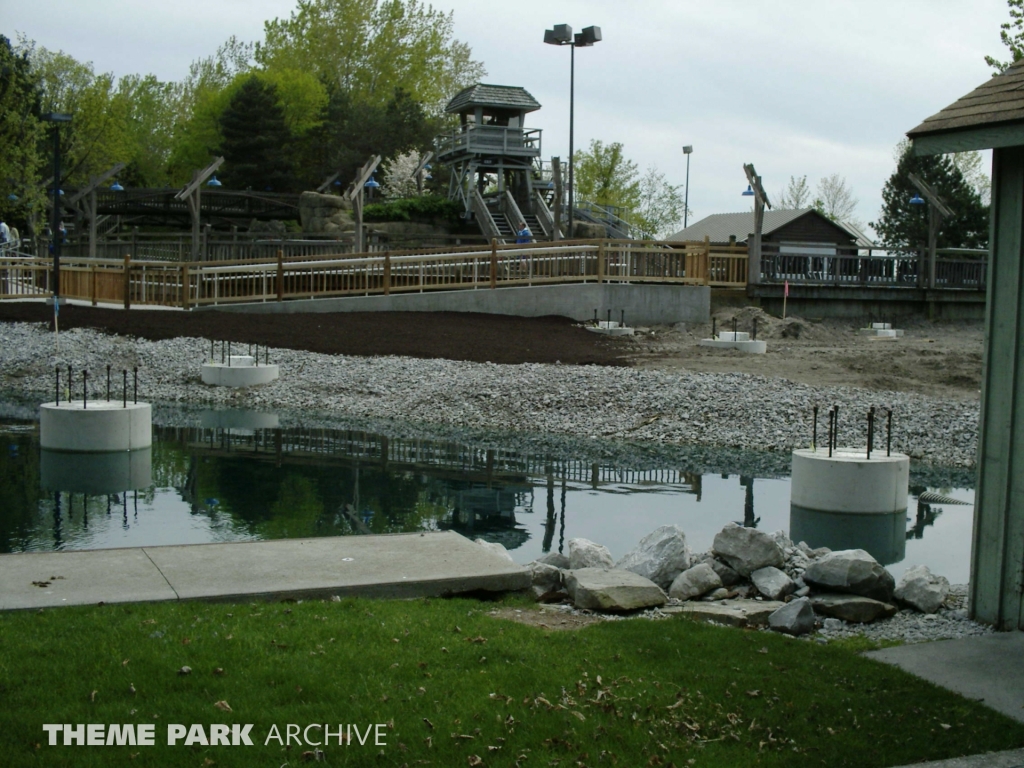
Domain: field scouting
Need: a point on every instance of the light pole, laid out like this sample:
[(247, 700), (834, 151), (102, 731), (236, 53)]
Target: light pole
[(562, 34), (687, 150), (56, 118)]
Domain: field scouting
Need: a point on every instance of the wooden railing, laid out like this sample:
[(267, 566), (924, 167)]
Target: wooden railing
[(489, 139), (957, 269), (187, 284)]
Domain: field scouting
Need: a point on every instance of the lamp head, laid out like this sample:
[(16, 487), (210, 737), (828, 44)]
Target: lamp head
[(116, 186), (748, 192), (214, 182), (917, 199), (559, 35), (589, 36), (687, 149), (371, 183)]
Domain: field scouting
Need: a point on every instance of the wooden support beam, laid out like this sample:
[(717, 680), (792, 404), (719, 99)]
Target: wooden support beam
[(997, 551)]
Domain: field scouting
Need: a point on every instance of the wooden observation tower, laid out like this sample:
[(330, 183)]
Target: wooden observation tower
[(495, 161)]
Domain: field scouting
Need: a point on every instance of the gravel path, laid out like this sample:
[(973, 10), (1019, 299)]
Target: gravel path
[(727, 410)]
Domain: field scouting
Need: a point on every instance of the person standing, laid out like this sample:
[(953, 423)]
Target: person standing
[(524, 235), (5, 233)]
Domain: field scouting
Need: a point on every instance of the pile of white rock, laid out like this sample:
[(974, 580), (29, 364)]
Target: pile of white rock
[(753, 579)]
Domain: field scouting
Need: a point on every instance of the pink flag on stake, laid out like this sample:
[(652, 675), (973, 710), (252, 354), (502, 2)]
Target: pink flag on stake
[(785, 290)]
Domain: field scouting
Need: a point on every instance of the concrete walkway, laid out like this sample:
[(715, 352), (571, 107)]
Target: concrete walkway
[(989, 669), (396, 565), (1013, 758)]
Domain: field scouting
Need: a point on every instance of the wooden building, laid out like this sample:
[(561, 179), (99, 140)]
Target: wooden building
[(795, 226), (992, 117)]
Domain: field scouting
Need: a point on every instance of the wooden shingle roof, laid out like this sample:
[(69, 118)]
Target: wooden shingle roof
[(494, 96), (998, 100)]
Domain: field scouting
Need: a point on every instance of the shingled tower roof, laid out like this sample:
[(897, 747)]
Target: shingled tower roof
[(493, 97), (998, 102)]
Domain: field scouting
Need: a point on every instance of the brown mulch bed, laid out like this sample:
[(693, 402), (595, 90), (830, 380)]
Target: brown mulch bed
[(450, 335)]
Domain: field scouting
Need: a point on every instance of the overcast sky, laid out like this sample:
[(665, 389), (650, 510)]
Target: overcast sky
[(794, 86)]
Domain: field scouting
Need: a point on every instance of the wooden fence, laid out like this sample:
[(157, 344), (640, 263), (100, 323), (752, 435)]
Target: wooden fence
[(957, 269), (188, 283)]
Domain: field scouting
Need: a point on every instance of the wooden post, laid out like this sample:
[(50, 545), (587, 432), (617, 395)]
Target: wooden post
[(184, 286), (127, 281), (933, 237), (707, 260), (600, 262), (387, 273), (494, 262), (280, 275), (92, 279)]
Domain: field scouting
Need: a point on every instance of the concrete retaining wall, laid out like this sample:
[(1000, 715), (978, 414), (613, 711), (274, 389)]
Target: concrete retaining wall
[(644, 304)]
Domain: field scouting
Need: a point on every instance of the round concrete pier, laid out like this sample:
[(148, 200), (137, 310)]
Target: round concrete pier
[(848, 481), (96, 474), (96, 426), (848, 501), (240, 373)]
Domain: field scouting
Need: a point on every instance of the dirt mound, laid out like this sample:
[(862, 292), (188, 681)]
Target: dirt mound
[(768, 326)]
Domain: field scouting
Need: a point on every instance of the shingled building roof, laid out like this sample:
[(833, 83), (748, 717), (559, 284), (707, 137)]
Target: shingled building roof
[(998, 100), (494, 96)]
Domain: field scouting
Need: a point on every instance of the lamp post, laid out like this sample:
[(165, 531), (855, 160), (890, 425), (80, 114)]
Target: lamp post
[(56, 118), (937, 210), (687, 150), (561, 34)]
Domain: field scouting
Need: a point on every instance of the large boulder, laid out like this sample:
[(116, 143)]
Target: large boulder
[(922, 590), (584, 553), (795, 618), (660, 556), (607, 589), (853, 571), (496, 548), (747, 549), (547, 582), (727, 574), (732, 613), (694, 582), (772, 583), (556, 559), (325, 214), (854, 608)]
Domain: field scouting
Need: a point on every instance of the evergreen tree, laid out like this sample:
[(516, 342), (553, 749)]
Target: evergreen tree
[(904, 227), (257, 143)]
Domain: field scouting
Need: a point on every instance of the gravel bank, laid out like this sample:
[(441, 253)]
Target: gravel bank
[(727, 410)]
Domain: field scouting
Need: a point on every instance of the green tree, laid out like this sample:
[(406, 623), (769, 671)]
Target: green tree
[(661, 206), (369, 48), (904, 227), (351, 131), (256, 141), (602, 174), (21, 133), (1012, 34), (199, 101)]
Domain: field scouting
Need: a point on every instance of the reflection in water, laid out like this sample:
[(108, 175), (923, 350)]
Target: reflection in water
[(883, 535), (237, 477)]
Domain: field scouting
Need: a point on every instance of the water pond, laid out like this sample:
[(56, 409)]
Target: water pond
[(234, 476)]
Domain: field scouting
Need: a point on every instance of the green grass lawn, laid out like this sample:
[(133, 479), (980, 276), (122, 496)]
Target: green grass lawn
[(457, 687)]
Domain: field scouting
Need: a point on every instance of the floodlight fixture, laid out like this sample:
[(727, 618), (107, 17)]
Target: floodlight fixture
[(687, 150), (560, 34)]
